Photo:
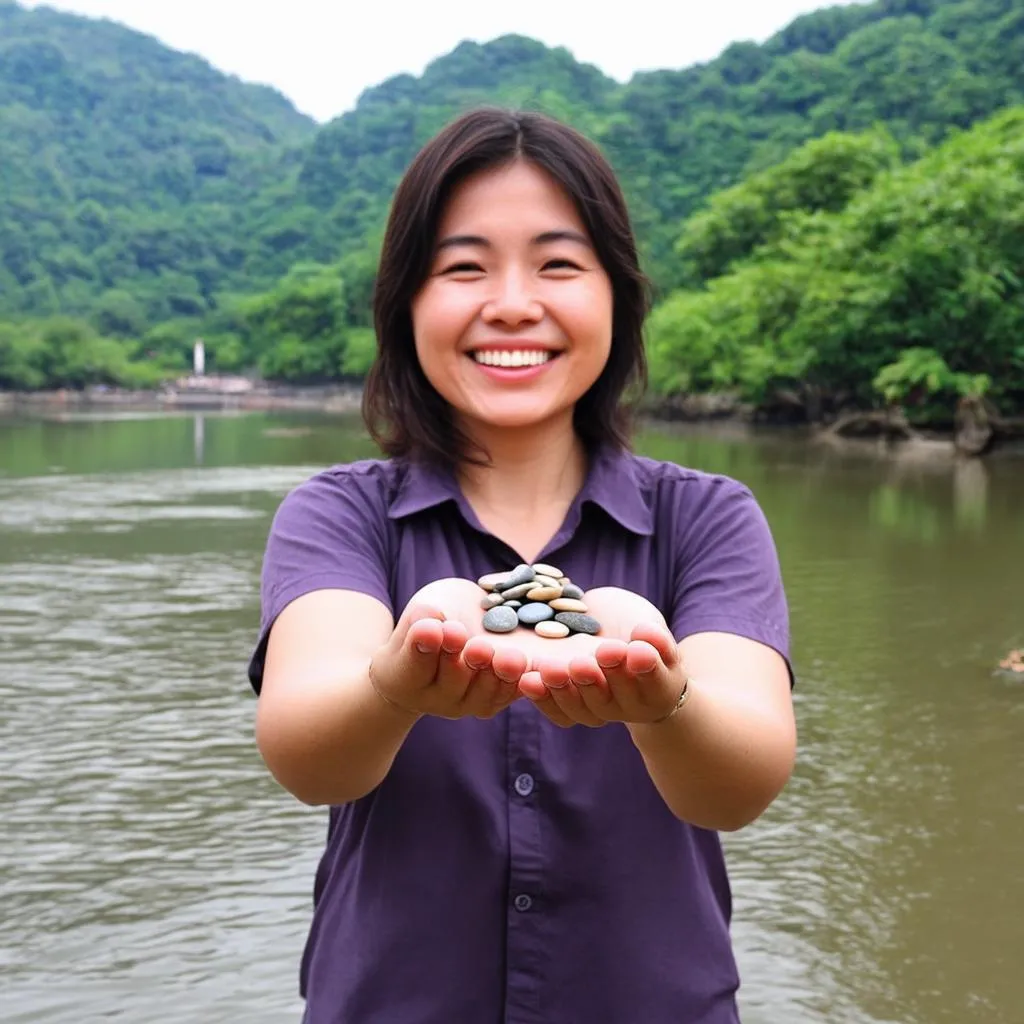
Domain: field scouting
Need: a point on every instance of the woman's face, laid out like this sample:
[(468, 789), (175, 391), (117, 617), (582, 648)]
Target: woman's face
[(514, 322)]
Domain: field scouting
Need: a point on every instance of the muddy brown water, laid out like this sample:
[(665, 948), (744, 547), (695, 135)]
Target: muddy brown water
[(150, 871)]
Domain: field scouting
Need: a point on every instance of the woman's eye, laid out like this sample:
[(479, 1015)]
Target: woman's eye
[(561, 265), (463, 268)]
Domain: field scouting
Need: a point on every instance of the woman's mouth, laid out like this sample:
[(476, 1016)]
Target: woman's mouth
[(512, 358)]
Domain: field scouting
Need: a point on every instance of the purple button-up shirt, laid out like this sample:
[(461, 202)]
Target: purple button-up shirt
[(509, 870)]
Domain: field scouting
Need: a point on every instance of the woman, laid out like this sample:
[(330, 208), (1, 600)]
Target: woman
[(521, 829)]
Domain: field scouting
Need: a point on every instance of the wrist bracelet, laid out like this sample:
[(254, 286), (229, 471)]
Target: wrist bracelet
[(683, 698)]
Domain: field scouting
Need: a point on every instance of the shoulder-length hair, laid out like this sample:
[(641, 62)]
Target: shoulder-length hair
[(403, 412)]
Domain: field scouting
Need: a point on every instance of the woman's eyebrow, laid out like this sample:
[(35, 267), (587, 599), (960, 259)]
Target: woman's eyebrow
[(454, 241), (545, 238), (564, 235)]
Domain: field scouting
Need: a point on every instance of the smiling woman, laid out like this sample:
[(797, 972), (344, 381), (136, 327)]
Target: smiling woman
[(529, 229), (522, 828), (516, 296)]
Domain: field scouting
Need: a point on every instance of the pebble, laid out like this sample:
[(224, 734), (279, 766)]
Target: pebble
[(546, 581), (552, 630), (541, 569), (501, 620), (536, 596), (492, 580), (519, 575), (577, 622), (531, 614)]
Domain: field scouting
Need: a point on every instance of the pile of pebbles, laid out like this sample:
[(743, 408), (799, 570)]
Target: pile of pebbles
[(538, 597)]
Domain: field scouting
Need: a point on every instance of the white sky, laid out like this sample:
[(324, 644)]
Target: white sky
[(322, 54)]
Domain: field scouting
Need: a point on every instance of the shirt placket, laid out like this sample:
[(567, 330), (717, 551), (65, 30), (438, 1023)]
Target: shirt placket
[(525, 898)]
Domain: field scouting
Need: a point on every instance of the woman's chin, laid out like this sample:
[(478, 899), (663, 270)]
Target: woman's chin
[(517, 416)]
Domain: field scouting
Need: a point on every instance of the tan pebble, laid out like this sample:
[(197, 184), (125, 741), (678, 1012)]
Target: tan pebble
[(544, 594), (491, 601), (563, 580), (551, 629), (491, 580), (545, 581), (541, 569), (568, 604)]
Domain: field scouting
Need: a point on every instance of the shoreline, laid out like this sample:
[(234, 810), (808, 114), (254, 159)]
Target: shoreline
[(241, 395), (252, 398)]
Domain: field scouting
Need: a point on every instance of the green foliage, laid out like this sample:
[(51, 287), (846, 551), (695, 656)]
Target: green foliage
[(153, 201), (912, 290), (124, 166), (65, 353), (921, 373), (360, 350), (822, 175)]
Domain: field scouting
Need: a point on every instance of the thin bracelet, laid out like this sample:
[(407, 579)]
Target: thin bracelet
[(683, 698)]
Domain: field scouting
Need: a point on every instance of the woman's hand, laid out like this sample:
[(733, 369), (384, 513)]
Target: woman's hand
[(440, 661), (631, 673)]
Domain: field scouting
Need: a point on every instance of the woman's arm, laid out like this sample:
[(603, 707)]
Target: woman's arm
[(342, 688), (729, 751), (323, 732)]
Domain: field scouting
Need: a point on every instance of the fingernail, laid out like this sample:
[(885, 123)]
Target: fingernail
[(423, 648)]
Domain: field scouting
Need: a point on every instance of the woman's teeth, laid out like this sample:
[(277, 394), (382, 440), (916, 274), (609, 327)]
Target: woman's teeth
[(512, 357)]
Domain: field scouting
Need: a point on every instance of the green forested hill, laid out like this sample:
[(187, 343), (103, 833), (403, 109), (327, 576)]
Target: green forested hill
[(130, 170), (152, 199), (123, 166), (920, 66)]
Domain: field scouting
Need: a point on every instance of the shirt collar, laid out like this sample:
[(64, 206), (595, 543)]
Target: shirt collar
[(612, 484)]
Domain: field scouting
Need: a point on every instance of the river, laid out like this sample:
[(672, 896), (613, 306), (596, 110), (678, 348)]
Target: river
[(150, 871)]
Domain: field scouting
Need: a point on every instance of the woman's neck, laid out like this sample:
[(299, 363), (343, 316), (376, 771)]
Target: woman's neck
[(533, 471)]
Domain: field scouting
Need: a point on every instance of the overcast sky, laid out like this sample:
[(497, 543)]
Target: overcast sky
[(322, 54)]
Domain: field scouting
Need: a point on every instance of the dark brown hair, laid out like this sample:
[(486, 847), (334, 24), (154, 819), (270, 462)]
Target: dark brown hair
[(402, 410)]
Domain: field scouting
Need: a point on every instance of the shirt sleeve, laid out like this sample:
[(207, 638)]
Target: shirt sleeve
[(728, 578), (329, 533)]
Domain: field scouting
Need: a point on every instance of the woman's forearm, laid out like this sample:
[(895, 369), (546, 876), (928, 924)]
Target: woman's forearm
[(722, 759), (333, 743)]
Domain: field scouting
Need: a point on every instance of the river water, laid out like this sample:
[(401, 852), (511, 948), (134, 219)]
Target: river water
[(150, 870)]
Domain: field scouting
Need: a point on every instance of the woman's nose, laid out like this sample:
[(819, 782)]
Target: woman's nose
[(513, 301)]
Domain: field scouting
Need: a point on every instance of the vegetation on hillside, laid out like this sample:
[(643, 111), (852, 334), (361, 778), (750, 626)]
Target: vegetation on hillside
[(820, 215)]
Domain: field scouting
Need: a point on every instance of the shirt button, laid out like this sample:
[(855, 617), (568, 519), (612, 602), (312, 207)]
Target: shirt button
[(523, 903), (524, 784)]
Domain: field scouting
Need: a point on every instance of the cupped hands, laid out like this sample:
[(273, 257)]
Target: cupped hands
[(440, 661)]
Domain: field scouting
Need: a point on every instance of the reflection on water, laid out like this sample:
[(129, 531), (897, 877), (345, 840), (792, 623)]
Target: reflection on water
[(151, 871)]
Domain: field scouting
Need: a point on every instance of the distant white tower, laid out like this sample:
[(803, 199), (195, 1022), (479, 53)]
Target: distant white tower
[(199, 358)]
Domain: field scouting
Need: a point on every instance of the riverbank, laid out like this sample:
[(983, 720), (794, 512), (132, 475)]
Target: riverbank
[(199, 395), (888, 429)]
